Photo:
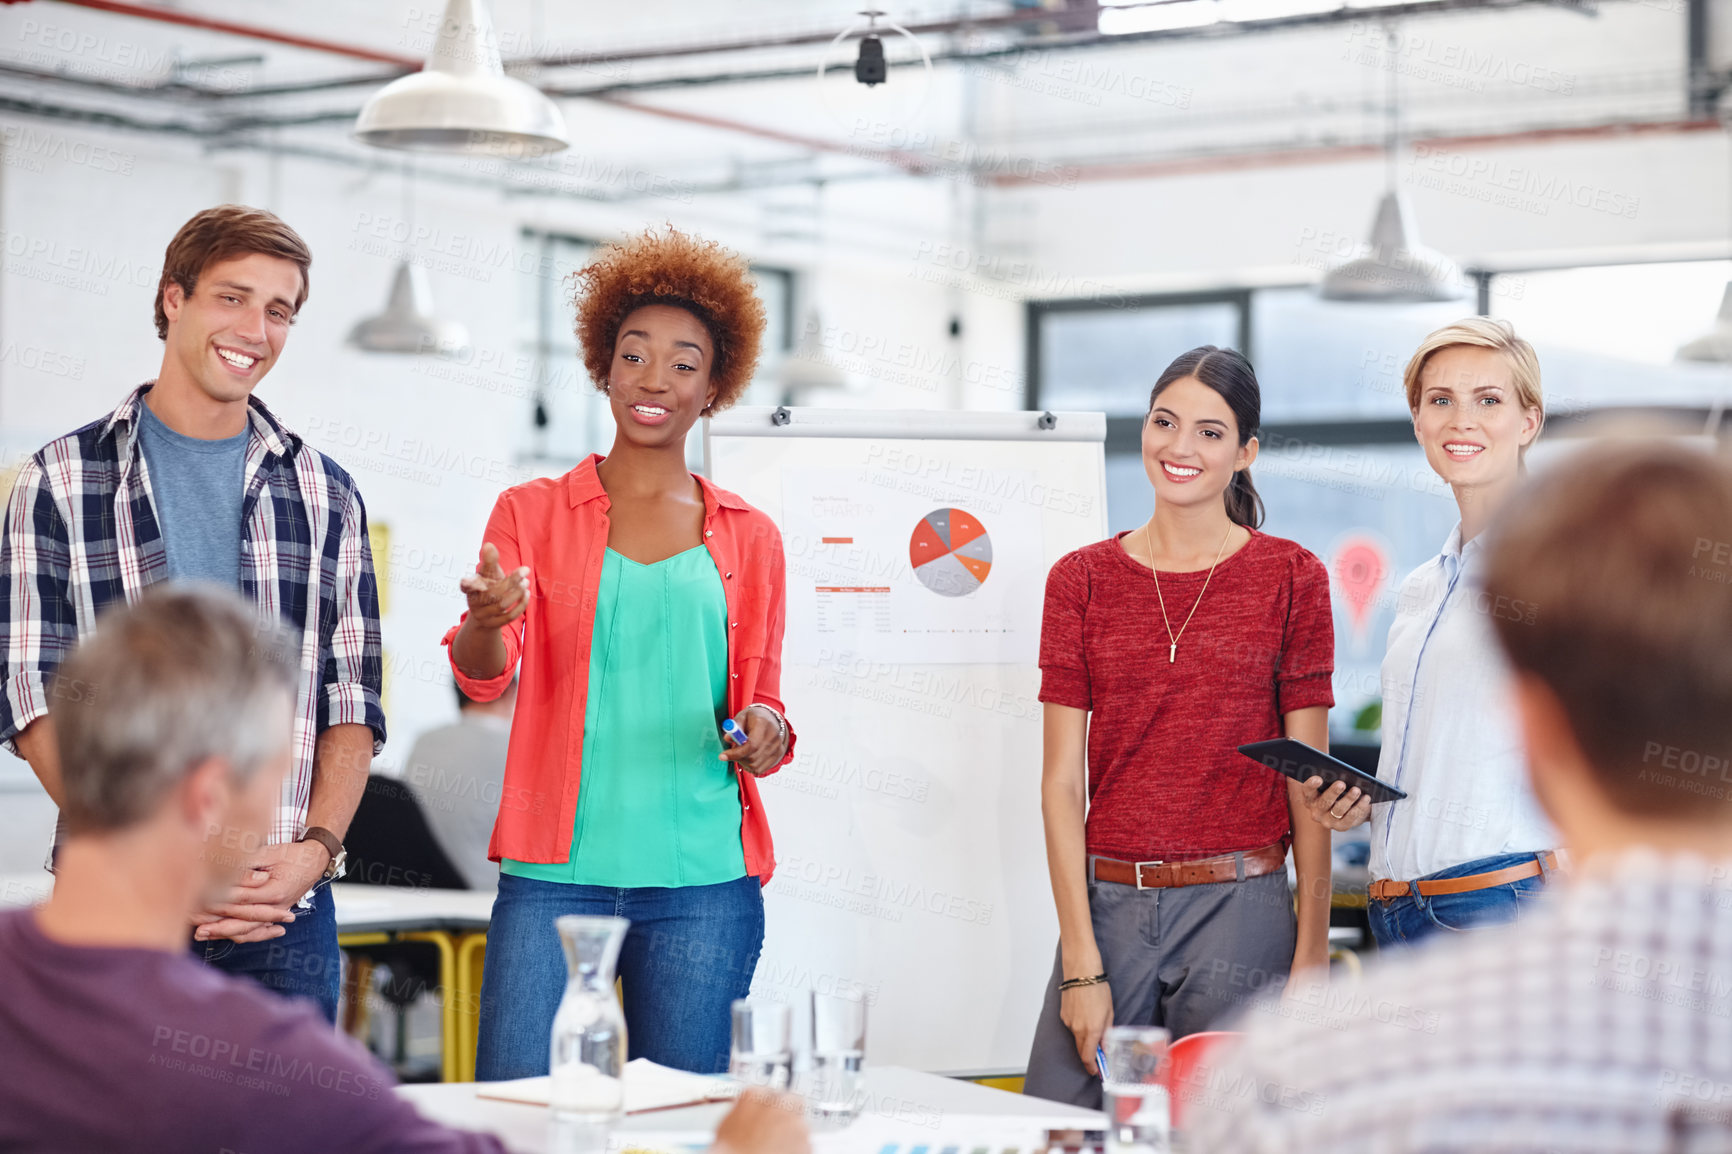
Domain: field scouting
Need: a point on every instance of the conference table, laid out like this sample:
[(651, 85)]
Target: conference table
[(453, 922), (903, 1109)]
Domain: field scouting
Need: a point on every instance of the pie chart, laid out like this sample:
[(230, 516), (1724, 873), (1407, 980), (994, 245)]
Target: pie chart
[(951, 552)]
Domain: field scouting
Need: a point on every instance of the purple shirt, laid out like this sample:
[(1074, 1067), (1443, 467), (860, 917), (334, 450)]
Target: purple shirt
[(105, 1048)]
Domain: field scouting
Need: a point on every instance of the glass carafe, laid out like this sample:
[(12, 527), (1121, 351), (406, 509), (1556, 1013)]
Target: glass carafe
[(588, 1060)]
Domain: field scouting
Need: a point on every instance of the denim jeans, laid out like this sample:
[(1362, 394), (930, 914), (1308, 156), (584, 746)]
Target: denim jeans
[(1410, 919), (690, 952), (304, 962)]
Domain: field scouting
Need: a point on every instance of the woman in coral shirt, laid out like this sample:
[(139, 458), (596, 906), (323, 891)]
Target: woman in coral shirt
[(645, 605)]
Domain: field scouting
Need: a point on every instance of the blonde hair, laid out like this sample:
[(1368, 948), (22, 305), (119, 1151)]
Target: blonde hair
[(1482, 333)]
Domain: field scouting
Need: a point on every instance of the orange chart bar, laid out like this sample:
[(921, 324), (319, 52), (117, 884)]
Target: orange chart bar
[(835, 540)]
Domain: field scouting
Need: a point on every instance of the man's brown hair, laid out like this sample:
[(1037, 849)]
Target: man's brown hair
[(1624, 556), (228, 230)]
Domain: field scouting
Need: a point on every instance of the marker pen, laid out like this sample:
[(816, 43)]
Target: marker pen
[(732, 733)]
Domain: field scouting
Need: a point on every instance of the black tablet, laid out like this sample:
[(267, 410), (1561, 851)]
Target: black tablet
[(1302, 763)]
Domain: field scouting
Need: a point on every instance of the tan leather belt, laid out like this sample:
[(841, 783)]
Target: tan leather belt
[(1150, 875), (1388, 891)]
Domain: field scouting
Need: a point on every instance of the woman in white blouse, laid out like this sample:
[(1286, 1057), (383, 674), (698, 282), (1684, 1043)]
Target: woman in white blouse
[(1469, 844)]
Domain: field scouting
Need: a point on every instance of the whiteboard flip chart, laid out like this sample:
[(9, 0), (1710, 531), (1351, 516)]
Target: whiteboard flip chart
[(911, 864)]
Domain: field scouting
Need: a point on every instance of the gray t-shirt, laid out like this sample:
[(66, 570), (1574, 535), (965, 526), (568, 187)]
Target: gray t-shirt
[(197, 487), (457, 771)]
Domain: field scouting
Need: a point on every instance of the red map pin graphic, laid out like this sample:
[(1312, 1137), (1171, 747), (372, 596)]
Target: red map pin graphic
[(1360, 567)]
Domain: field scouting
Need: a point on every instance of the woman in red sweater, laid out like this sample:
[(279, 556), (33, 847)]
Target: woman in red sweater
[(1172, 893)]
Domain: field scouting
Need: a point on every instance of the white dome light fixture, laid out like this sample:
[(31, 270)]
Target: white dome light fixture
[(408, 325), (1398, 268), (462, 101), (1713, 347)]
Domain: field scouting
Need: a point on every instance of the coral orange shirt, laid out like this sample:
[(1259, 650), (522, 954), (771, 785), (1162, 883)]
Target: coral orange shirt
[(558, 528)]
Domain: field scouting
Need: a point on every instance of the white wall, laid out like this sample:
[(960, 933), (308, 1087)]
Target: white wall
[(431, 443), (886, 262), (1476, 73)]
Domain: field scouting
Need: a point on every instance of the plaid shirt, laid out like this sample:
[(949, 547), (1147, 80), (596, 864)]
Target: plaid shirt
[(81, 533), (1601, 1021)]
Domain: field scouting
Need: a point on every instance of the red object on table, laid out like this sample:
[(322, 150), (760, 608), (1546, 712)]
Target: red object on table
[(1188, 1063)]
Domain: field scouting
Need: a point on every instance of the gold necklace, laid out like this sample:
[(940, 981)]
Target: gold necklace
[(1172, 641)]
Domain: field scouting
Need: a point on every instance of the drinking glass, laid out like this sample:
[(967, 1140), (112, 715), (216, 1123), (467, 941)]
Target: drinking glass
[(762, 1053), (838, 1053), (1134, 1092)]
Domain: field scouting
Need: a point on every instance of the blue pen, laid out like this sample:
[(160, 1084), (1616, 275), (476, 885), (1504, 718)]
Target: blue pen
[(1101, 1063), (732, 732)]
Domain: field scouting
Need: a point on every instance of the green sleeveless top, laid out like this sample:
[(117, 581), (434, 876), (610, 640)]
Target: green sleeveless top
[(656, 806)]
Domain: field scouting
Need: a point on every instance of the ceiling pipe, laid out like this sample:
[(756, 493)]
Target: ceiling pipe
[(1328, 154), (1085, 35), (187, 20), (919, 165), (1074, 33), (912, 163), (1079, 17)]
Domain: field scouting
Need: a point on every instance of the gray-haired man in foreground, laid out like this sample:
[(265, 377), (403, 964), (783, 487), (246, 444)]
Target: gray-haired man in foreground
[(174, 723)]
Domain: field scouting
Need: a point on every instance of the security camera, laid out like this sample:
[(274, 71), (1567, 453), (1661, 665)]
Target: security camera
[(871, 69)]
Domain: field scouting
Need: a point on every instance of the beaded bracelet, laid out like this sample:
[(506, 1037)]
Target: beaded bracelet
[(776, 716), (1078, 983)]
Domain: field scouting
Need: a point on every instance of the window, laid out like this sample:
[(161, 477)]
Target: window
[(1607, 337), (1337, 461), (1096, 358), (1099, 357), (1337, 360)]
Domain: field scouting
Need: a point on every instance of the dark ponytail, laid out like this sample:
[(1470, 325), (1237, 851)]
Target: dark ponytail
[(1230, 375)]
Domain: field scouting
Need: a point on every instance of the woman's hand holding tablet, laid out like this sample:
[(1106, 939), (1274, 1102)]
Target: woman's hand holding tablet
[(1337, 795)]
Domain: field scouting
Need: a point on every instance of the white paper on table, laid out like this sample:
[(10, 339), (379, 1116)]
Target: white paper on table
[(648, 1086), (913, 569)]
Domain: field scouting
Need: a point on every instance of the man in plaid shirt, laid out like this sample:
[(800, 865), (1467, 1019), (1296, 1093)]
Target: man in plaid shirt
[(192, 478), (1603, 1020)]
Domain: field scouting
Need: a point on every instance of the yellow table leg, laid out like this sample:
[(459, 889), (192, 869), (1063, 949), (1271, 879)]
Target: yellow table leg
[(471, 957), (447, 1000)]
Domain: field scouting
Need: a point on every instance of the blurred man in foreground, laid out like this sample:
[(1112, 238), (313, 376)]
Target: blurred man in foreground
[(1604, 1022), (174, 722)]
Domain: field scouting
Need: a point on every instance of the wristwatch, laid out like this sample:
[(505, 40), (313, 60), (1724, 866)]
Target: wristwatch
[(333, 846)]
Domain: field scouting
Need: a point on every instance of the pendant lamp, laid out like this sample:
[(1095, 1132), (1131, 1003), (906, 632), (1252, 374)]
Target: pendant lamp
[(408, 325), (1715, 345), (462, 101), (1399, 269)]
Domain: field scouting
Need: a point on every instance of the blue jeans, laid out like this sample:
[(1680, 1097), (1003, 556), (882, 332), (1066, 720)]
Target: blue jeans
[(303, 963), (1410, 919), (690, 952)]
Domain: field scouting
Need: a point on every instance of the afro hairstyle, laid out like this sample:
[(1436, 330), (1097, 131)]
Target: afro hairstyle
[(672, 268)]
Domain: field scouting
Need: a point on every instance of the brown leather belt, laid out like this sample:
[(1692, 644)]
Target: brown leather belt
[(1388, 891), (1151, 875)]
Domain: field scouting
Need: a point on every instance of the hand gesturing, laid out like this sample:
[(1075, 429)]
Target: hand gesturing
[(496, 598)]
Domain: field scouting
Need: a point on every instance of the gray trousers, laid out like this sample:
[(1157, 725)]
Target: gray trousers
[(1184, 958)]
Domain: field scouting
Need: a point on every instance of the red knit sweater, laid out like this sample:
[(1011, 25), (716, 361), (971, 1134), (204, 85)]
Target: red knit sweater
[(1166, 780)]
